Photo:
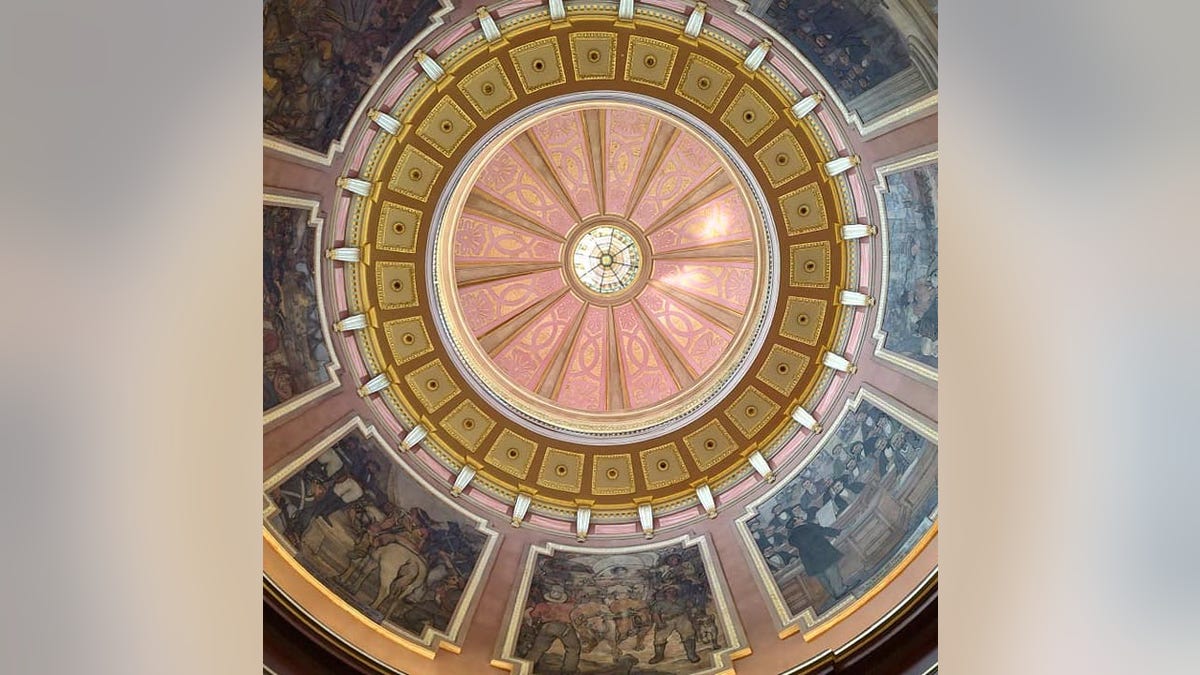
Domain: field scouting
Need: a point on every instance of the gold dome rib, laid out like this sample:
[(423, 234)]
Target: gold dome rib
[(656, 152), (593, 122), (531, 151), (724, 317), (726, 251), (486, 205), (471, 274), (552, 379), (618, 398), (498, 338), (705, 192), (680, 371)]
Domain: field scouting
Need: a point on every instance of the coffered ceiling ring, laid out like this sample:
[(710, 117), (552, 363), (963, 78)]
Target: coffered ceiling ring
[(562, 422), (487, 89)]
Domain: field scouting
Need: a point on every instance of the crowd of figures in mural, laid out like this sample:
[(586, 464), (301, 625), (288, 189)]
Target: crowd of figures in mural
[(848, 517), (321, 56), (856, 44), (911, 316), (295, 357), (376, 537), (853, 47), (629, 613)]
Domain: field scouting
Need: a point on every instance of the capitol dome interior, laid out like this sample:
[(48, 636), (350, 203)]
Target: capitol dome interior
[(600, 337)]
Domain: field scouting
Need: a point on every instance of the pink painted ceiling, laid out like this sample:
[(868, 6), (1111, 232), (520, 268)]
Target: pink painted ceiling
[(512, 268)]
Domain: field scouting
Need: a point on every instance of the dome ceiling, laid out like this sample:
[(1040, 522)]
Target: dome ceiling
[(525, 156), (604, 271), (598, 271)]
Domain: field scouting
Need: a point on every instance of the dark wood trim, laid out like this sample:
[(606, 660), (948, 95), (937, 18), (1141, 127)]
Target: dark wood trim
[(292, 646)]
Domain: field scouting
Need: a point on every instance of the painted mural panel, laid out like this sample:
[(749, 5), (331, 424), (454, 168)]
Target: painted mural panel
[(909, 317), (865, 49), (640, 610), (835, 528), (321, 56), (295, 355), (379, 538)]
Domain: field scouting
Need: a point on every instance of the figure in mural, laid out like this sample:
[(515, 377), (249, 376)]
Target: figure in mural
[(401, 570), (671, 617), (872, 501), (295, 358), (321, 56), (607, 613), (857, 45), (911, 316), (852, 49), (816, 553), (376, 538), (552, 619)]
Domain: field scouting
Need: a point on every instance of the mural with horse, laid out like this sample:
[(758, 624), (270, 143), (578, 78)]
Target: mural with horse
[(373, 535)]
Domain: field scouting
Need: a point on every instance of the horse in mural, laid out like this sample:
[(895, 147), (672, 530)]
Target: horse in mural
[(402, 570)]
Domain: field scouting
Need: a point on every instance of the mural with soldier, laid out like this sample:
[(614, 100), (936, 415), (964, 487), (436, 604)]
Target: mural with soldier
[(835, 527), (390, 547), (321, 56), (630, 611), (295, 356)]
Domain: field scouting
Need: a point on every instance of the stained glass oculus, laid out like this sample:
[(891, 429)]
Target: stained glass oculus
[(607, 259)]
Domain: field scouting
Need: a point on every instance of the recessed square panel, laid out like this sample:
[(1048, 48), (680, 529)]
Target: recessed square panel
[(748, 115), (407, 338), (802, 319), (751, 411), (468, 425), (663, 466), (446, 126), (512, 454), (488, 88), (398, 228), (539, 64), (804, 210), (782, 369), (397, 284), (561, 470), (414, 174), (710, 444), (594, 55), (612, 474), (783, 159), (431, 384), (649, 61), (703, 82), (810, 264)]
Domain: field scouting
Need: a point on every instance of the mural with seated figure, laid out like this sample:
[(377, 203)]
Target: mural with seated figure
[(378, 536), (853, 513)]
